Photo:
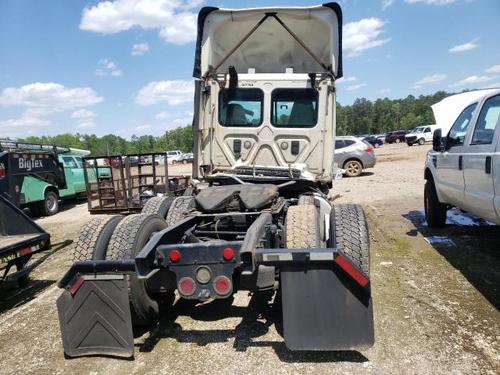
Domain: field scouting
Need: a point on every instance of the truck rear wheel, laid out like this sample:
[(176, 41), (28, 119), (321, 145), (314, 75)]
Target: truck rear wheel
[(48, 207), (128, 239), (302, 227), (157, 205), (92, 241), (435, 211), (349, 232), (179, 209)]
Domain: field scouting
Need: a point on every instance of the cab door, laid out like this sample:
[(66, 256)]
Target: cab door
[(478, 161), (449, 164), (496, 178)]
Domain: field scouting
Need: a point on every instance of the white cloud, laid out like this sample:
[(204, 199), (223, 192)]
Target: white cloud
[(175, 19), (346, 79), (464, 47), (173, 92), (473, 80), (162, 116), (431, 2), (26, 124), (428, 80), (386, 4), (87, 125), (493, 69), (362, 35), (143, 127), (385, 91), (139, 49), (48, 97), (83, 114), (108, 67), (356, 87)]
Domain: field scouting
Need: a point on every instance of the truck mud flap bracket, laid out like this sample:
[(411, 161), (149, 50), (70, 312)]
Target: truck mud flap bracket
[(94, 316)]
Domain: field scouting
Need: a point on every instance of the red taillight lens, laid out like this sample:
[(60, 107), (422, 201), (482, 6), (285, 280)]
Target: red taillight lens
[(2, 171), (222, 285), (174, 256), (368, 149), (228, 254), (186, 286)]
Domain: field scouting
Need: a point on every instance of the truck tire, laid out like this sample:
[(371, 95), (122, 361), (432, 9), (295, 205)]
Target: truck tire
[(302, 227), (157, 205), (398, 140), (435, 211), (92, 241), (409, 144), (349, 232), (179, 209), (128, 239), (48, 207), (421, 141), (353, 168)]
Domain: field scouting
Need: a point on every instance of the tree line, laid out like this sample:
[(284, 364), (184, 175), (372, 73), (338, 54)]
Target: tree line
[(361, 117)]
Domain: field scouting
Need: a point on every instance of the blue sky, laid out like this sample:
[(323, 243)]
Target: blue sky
[(124, 66)]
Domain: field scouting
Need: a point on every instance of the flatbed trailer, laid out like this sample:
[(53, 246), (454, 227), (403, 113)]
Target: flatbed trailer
[(20, 239)]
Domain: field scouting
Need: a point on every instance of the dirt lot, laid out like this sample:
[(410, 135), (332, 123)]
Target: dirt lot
[(436, 300)]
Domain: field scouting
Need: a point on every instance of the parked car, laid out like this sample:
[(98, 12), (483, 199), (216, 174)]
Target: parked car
[(173, 156), (395, 136), (374, 141), (381, 136), (353, 155), (186, 158), (421, 134), (463, 168)]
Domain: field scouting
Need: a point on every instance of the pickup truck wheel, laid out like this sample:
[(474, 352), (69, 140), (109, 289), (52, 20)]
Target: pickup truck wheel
[(48, 207), (92, 241), (302, 227), (349, 231), (435, 211), (353, 168), (421, 141), (409, 144), (157, 205), (128, 239), (179, 209)]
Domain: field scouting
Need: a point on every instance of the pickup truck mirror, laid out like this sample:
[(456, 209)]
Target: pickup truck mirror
[(438, 142)]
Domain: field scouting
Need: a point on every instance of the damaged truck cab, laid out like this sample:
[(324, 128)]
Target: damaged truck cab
[(258, 216)]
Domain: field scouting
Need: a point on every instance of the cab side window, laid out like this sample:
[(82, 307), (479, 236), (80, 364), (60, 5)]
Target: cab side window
[(69, 162), (458, 131), (427, 130), (487, 122)]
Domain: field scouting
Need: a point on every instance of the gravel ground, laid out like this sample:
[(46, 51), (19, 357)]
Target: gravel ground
[(436, 305)]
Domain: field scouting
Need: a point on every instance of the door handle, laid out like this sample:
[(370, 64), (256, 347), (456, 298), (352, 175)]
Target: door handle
[(487, 165), (460, 163)]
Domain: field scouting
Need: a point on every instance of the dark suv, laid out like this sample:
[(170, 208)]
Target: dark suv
[(395, 136)]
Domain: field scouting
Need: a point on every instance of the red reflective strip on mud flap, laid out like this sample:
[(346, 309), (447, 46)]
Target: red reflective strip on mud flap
[(351, 270), (73, 288)]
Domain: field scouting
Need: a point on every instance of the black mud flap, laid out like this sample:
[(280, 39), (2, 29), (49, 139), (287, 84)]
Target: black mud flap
[(96, 319), (323, 309)]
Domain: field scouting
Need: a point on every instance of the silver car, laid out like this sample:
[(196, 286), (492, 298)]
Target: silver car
[(353, 155)]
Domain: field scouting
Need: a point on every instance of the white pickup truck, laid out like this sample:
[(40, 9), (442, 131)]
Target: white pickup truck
[(463, 169)]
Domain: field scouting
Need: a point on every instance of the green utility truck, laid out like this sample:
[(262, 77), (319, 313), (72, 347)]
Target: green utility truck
[(22, 169)]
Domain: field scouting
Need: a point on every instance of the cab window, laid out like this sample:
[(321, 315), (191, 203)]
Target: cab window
[(294, 108), (240, 107), (69, 162), (339, 144), (487, 122), (456, 136), (79, 162)]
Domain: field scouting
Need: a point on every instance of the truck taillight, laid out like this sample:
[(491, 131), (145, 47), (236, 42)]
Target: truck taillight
[(186, 286), (222, 285), (2, 170)]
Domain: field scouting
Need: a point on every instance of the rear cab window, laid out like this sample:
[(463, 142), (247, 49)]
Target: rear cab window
[(241, 107), (297, 108)]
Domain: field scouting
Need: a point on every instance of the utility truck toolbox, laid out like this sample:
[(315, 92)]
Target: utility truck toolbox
[(258, 217)]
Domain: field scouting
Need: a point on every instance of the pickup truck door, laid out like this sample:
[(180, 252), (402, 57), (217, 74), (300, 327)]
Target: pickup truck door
[(478, 161), (496, 178), (449, 164), (428, 134)]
